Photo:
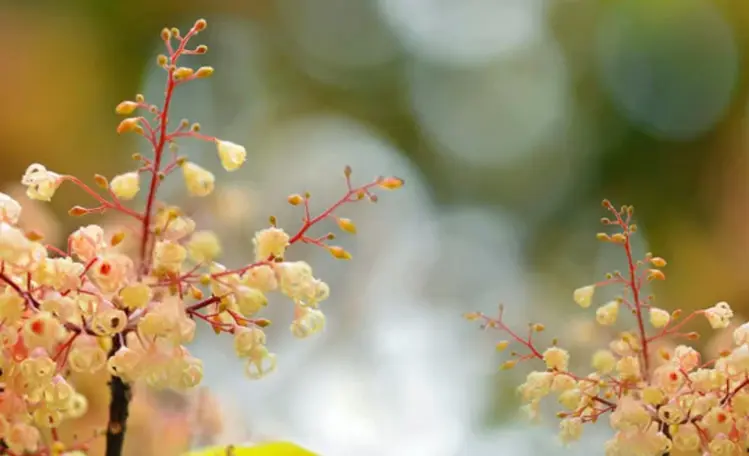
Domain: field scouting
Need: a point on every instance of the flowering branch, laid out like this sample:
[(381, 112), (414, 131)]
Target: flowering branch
[(93, 306), (658, 405)]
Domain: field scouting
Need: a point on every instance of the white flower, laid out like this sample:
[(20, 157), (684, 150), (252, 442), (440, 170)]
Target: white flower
[(719, 316), (311, 321), (10, 209), (688, 357), (603, 361), (659, 317), (556, 358), (231, 155), (606, 315), (570, 429), (270, 242), (41, 183), (199, 181), (204, 246), (126, 185), (741, 334)]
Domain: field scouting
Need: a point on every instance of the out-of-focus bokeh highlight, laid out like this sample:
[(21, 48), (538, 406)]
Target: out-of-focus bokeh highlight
[(509, 119)]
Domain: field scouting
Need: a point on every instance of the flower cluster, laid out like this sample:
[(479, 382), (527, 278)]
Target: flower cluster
[(96, 305), (658, 400)]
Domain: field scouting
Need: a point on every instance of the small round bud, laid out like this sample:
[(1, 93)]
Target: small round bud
[(202, 49), (471, 316), (656, 274), (200, 25), (658, 262), (346, 225), (196, 292), (117, 238), (183, 72), (347, 171), (619, 238), (204, 72), (128, 125), (77, 211), (603, 237), (34, 236), (295, 199), (391, 183), (101, 181), (507, 365), (139, 98), (126, 108), (339, 253), (166, 34), (502, 345), (162, 60)]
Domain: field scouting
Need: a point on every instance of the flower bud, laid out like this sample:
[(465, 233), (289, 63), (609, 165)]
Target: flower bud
[(346, 225), (128, 125), (204, 72), (183, 72), (339, 253), (391, 183), (126, 108)]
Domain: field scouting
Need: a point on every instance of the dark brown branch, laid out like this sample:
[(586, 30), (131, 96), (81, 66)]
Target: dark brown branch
[(119, 405)]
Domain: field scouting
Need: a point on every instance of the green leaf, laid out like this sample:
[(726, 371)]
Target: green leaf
[(264, 449)]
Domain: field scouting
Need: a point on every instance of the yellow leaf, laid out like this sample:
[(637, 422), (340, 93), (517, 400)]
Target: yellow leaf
[(263, 449)]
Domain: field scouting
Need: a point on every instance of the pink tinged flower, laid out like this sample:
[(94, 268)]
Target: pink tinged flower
[(22, 438), (42, 330), (687, 357), (112, 272), (87, 242)]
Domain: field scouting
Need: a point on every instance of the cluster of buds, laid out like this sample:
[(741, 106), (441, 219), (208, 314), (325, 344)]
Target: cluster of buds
[(97, 305), (659, 401)]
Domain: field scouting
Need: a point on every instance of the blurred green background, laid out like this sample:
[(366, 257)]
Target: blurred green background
[(532, 109)]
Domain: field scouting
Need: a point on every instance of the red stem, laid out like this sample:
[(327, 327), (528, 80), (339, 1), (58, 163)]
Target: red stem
[(159, 148), (158, 152), (635, 287)]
